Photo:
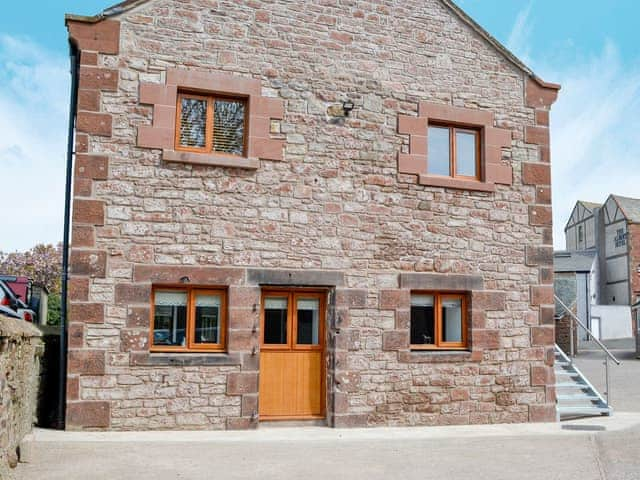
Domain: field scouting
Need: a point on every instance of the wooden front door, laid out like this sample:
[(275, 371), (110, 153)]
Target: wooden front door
[(292, 355)]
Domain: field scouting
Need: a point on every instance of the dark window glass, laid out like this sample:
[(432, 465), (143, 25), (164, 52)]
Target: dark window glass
[(193, 123), (228, 128), (438, 155), (207, 318), (621, 238), (170, 318), (275, 321), (308, 321), (466, 153), (422, 320)]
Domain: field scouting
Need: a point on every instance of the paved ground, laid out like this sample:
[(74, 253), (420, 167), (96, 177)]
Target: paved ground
[(625, 379), (602, 448), (527, 452)]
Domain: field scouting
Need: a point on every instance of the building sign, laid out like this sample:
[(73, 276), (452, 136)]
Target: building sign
[(621, 238)]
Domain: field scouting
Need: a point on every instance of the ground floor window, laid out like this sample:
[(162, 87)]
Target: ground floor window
[(438, 321), (188, 319)]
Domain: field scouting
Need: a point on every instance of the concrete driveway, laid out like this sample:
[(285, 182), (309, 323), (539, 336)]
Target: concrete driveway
[(625, 378), (595, 449), (601, 448)]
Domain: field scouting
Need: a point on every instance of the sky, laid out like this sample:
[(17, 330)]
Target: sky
[(589, 47)]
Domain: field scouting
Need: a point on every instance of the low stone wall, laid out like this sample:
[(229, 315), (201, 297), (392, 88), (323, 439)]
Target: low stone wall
[(20, 352), (563, 335)]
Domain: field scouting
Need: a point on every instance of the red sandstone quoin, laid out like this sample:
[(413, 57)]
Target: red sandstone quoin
[(245, 249)]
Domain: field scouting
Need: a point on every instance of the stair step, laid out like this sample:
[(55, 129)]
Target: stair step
[(572, 398), (572, 385), (584, 410), (576, 397)]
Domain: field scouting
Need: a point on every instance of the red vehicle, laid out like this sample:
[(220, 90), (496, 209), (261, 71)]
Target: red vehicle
[(15, 300), (21, 286)]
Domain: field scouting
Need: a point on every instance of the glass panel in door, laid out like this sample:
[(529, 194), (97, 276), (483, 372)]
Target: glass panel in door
[(275, 320), (308, 318)]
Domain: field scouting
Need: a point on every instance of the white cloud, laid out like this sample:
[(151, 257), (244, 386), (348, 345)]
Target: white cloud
[(34, 94), (594, 124), (519, 41), (594, 133)]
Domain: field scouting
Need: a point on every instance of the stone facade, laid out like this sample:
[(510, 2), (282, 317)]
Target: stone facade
[(330, 209), (20, 352)]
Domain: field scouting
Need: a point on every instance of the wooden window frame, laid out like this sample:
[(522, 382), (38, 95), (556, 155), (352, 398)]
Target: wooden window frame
[(191, 345), (292, 325), (453, 154), (209, 123), (438, 296)]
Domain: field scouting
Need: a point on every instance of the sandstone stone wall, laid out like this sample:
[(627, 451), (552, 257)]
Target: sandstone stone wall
[(563, 334), (20, 352), (336, 203)]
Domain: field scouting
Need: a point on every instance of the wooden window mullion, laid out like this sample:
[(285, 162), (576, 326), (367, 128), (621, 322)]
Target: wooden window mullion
[(210, 122), (191, 308), (452, 149), (479, 174), (290, 319), (437, 319)]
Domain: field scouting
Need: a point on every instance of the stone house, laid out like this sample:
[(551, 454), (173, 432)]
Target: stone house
[(316, 210)]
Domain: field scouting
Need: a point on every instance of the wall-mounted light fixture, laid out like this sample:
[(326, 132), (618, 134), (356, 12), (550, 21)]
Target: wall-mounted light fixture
[(184, 280), (347, 106)]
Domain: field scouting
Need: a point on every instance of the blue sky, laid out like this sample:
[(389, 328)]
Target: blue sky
[(589, 47)]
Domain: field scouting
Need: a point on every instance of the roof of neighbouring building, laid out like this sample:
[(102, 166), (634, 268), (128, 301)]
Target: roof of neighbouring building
[(590, 205), (127, 5), (630, 207), (564, 261)]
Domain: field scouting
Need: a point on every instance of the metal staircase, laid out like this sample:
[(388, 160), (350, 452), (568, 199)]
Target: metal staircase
[(575, 395)]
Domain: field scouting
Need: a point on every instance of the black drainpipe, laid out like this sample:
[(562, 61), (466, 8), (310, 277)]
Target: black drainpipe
[(62, 380)]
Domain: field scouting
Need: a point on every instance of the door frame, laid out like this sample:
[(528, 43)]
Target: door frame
[(291, 293)]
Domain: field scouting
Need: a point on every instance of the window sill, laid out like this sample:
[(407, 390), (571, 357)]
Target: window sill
[(456, 183), (211, 159), (439, 356), (188, 359)]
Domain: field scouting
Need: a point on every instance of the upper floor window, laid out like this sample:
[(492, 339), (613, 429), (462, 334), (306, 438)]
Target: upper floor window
[(210, 123), (188, 319), (453, 151), (580, 234), (438, 321), (621, 238)]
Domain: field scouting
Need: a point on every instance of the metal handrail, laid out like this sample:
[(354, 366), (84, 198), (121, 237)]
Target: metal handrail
[(598, 342)]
